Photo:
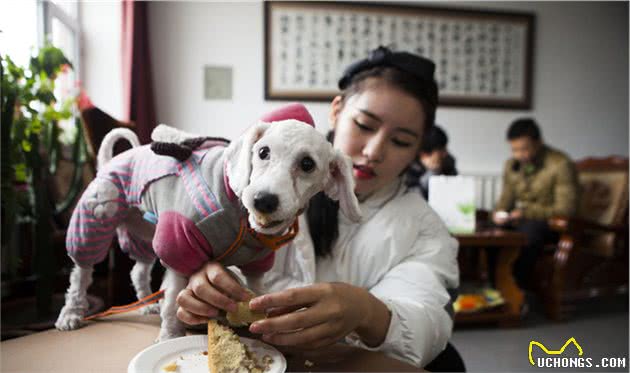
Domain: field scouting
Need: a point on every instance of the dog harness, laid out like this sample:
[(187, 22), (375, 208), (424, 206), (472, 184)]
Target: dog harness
[(196, 215)]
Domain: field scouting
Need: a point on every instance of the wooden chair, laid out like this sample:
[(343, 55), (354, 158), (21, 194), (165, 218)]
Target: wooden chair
[(591, 257), (96, 124)]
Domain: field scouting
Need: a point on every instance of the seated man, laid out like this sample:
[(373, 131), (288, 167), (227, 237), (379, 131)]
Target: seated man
[(538, 182), (434, 159)]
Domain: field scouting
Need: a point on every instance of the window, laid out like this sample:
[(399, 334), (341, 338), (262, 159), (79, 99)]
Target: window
[(59, 24), (18, 30), (27, 24)]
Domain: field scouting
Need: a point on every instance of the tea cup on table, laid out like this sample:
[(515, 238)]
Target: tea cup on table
[(501, 217)]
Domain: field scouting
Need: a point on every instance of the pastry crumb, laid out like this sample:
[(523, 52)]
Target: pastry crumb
[(308, 363), (172, 367), (266, 362)]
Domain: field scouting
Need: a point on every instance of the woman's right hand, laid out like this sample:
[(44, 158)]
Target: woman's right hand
[(210, 290)]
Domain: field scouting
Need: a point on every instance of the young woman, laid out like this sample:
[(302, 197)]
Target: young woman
[(385, 283)]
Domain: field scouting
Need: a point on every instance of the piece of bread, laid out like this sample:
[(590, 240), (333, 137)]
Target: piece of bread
[(243, 315), (226, 352)]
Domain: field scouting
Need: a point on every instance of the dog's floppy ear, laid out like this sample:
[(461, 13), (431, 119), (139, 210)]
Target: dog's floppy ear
[(239, 157), (340, 186)]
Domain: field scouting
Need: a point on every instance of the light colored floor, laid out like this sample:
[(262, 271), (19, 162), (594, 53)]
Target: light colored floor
[(600, 328)]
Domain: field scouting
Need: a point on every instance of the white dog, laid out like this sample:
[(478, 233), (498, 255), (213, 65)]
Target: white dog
[(234, 204)]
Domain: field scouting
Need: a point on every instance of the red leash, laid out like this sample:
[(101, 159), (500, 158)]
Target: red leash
[(149, 299)]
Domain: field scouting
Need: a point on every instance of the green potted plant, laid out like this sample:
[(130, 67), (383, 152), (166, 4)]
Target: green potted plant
[(31, 147)]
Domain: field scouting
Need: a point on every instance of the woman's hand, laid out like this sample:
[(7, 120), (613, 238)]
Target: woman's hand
[(211, 289), (326, 313)]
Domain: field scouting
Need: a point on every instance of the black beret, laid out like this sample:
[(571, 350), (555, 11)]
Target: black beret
[(422, 68)]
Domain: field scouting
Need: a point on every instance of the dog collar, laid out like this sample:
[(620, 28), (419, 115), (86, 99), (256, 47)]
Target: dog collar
[(276, 242), (268, 241)]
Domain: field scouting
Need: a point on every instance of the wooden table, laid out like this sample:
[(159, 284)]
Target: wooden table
[(107, 345), (509, 244)]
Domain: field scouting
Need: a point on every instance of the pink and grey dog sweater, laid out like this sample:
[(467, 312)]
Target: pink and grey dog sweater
[(196, 215)]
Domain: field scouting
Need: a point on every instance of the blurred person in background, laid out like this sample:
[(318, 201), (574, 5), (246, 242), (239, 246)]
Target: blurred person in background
[(539, 182), (433, 159)]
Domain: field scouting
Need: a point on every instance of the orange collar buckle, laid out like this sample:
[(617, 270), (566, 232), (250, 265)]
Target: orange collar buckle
[(276, 242)]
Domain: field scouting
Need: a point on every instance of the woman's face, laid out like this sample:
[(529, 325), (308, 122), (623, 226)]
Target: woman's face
[(380, 128)]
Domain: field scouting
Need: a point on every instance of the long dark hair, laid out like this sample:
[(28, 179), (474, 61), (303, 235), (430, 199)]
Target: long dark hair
[(322, 213), (323, 222)]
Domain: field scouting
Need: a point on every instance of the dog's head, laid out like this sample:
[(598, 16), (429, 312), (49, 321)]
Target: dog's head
[(275, 169)]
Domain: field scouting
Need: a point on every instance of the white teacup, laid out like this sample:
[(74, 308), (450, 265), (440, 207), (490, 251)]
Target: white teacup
[(501, 217)]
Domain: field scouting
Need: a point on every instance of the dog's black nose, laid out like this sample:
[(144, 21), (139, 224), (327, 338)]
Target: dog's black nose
[(266, 202)]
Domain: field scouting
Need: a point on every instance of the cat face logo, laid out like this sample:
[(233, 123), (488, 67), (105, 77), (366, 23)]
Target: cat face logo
[(553, 352)]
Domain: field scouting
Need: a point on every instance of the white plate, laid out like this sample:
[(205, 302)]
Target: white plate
[(188, 353)]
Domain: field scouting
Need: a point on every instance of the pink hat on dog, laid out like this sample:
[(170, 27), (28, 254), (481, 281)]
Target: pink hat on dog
[(294, 110)]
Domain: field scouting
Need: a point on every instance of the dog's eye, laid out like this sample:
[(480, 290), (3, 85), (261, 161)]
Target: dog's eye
[(263, 152), (307, 164)]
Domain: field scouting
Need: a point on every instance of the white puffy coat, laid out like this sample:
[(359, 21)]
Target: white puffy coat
[(402, 253)]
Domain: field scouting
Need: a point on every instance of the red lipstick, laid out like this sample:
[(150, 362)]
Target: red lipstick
[(363, 172)]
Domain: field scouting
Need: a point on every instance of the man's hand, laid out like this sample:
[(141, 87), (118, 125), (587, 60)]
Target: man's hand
[(516, 215)]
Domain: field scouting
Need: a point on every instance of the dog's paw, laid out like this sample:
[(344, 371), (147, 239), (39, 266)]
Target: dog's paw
[(69, 320), (101, 198), (166, 334), (151, 309), (105, 210)]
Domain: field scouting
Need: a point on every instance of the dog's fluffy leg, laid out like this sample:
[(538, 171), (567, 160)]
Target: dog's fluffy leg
[(100, 199), (171, 326), (72, 313), (141, 279)]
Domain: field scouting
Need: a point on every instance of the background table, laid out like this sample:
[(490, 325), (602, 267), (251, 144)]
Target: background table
[(509, 244), (109, 344)]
